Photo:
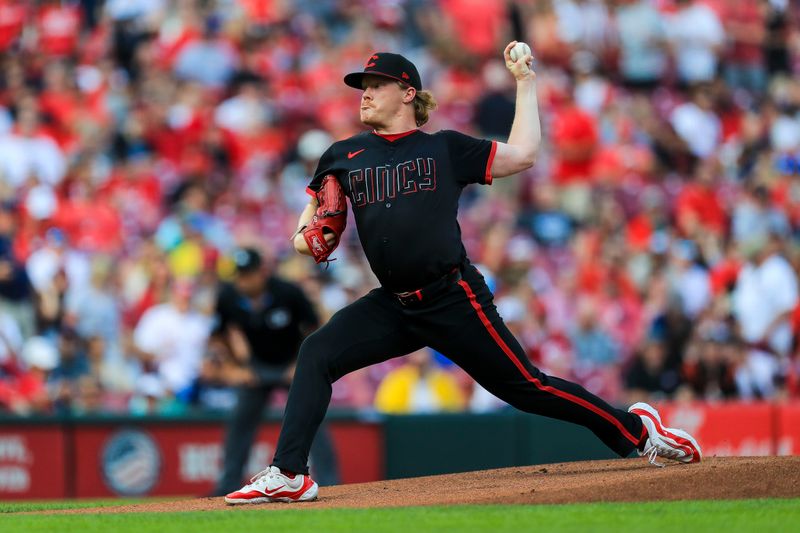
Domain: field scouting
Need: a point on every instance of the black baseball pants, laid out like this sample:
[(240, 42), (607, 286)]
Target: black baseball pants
[(463, 324), (240, 434)]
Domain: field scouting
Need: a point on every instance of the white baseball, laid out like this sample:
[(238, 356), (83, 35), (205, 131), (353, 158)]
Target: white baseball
[(519, 51)]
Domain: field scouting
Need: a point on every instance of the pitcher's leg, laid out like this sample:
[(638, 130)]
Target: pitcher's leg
[(323, 457), (368, 331), (476, 339)]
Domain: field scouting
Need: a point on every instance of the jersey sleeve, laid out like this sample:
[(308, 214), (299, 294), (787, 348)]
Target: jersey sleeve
[(471, 158), (324, 167)]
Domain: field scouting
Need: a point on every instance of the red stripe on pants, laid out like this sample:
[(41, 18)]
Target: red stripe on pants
[(538, 384)]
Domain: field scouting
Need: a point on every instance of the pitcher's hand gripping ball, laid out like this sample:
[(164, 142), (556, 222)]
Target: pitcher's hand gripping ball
[(519, 59), (519, 51), (330, 218)]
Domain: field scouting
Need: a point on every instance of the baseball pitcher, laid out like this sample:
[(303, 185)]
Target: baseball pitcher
[(403, 185)]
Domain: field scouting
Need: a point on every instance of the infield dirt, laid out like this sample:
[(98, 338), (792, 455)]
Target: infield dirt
[(580, 482)]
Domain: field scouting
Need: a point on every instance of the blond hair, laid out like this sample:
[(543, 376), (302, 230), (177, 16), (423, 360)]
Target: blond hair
[(424, 102)]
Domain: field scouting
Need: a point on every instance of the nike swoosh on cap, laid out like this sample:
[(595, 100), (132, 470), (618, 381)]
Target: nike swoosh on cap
[(351, 155)]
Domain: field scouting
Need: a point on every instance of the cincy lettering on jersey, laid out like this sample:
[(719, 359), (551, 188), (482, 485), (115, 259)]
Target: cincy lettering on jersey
[(377, 184)]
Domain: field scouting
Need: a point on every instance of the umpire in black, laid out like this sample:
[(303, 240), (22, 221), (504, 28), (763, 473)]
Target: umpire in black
[(262, 320)]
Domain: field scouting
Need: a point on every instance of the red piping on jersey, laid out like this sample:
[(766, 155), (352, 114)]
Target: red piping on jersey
[(487, 179), (538, 384), (391, 137)]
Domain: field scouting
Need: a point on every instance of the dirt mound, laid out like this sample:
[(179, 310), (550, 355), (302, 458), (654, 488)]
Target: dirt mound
[(591, 481)]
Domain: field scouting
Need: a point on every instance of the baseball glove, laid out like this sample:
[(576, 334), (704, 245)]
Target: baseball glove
[(331, 217)]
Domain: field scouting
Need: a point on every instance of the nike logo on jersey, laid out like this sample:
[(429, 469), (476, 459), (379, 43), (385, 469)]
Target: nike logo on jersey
[(351, 155)]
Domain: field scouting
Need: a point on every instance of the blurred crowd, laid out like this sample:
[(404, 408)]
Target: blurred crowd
[(652, 252)]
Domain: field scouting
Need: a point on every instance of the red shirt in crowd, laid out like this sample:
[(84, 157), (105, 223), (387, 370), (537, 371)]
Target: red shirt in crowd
[(137, 199), (263, 12), (12, 19), (179, 144), (59, 28), (61, 106), (143, 189), (575, 140), (747, 18), (699, 204), (638, 233), (21, 388), (477, 23), (593, 275), (90, 225), (724, 275), (267, 143)]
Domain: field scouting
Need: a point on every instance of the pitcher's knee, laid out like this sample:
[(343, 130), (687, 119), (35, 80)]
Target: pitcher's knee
[(315, 355)]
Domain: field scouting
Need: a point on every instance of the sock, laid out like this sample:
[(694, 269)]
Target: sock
[(288, 473)]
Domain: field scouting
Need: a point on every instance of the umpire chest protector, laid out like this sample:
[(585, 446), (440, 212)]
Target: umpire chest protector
[(404, 191), (274, 326)]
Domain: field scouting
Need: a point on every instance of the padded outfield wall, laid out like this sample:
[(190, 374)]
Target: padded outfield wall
[(47, 457)]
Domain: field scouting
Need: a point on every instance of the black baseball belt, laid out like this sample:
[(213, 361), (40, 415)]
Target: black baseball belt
[(429, 291)]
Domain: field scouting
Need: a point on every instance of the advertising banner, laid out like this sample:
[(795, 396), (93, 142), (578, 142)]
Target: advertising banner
[(726, 429), (159, 459), (32, 464), (788, 429)]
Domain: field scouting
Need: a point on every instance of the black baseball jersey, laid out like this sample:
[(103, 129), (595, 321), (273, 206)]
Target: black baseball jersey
[(404, 192), (274, 329)]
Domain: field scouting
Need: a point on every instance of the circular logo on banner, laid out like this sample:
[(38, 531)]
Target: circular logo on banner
[(131, 462)]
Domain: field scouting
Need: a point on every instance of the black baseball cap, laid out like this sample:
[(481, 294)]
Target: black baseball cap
[(388, 65), (247, 260)]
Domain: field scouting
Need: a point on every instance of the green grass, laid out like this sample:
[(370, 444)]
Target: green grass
[(51, 505), (681, 517)]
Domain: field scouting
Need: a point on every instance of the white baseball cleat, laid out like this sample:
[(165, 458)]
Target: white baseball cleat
[(271, 485), (665, 442)]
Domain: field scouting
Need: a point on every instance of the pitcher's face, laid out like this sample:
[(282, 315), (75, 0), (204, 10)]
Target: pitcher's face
[(382, 99)]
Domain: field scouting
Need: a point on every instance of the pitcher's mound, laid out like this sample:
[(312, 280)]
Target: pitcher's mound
[(579, 482)]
